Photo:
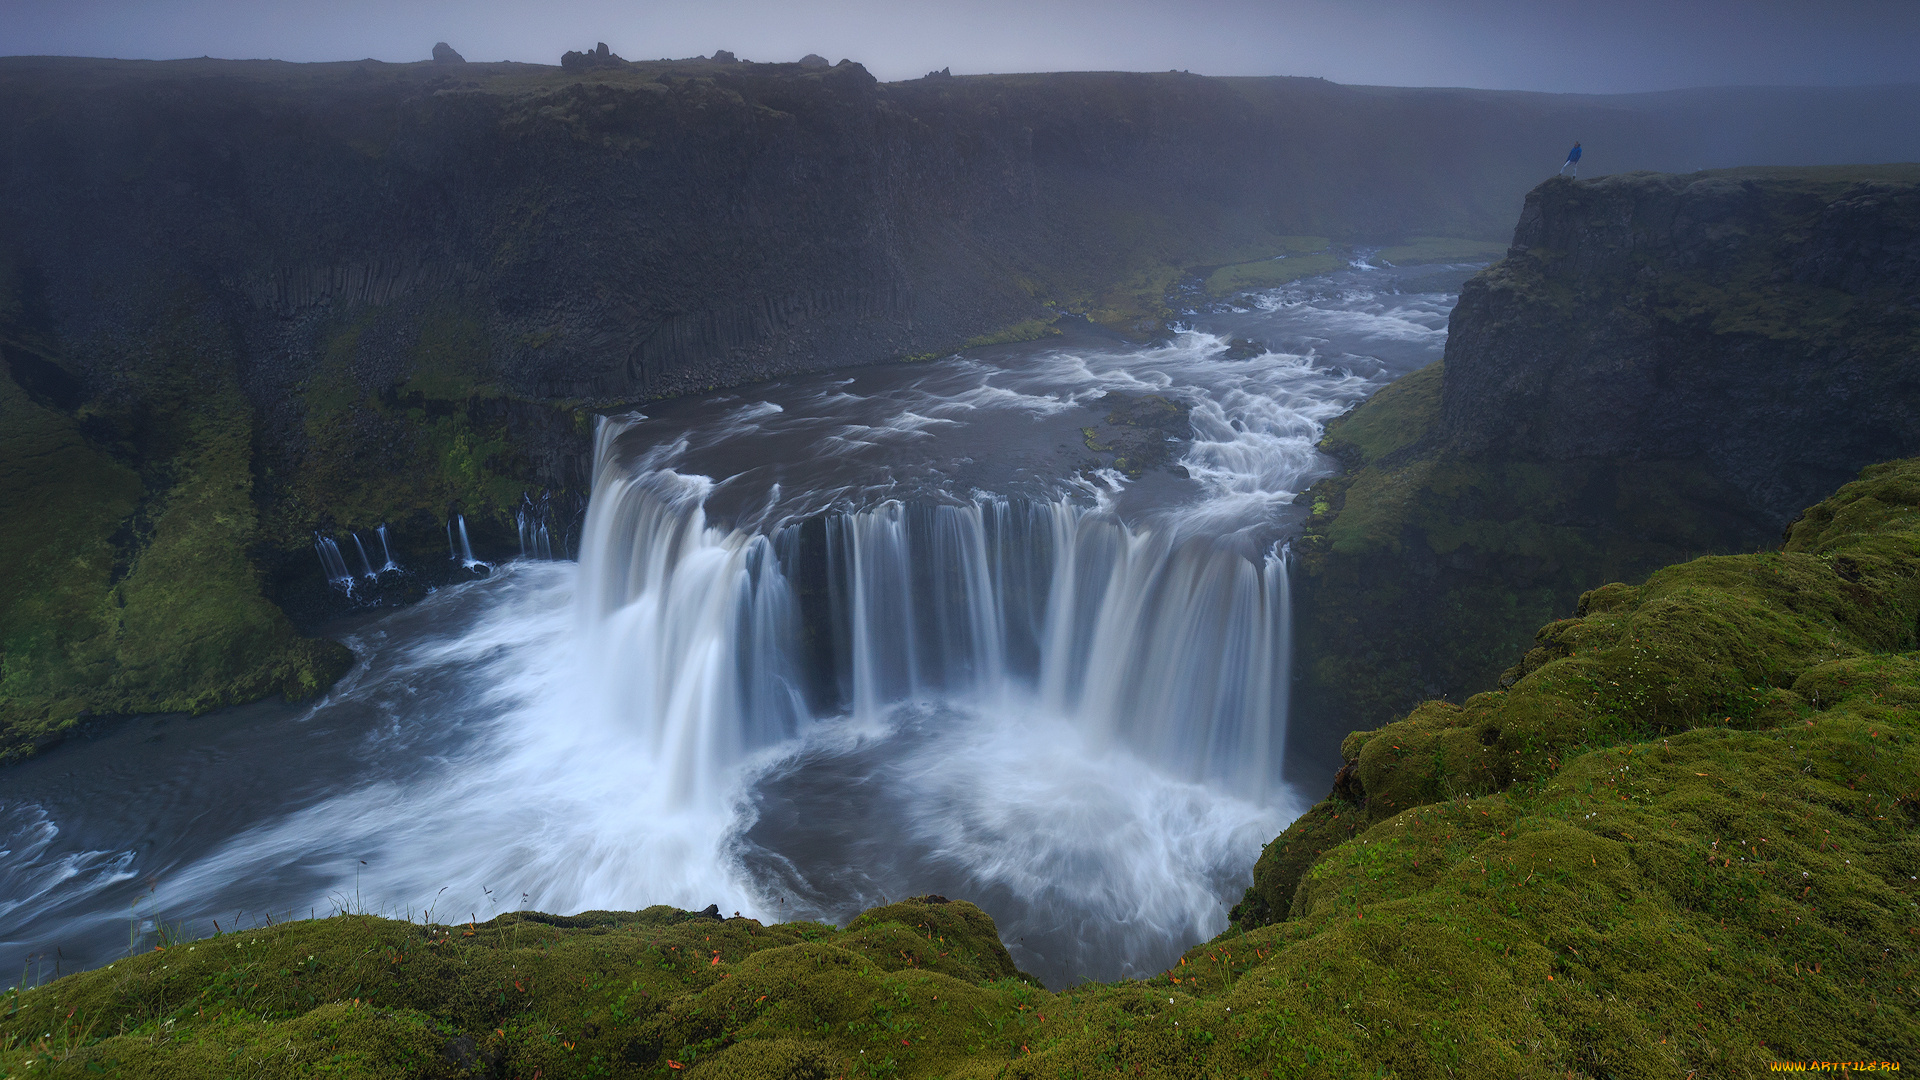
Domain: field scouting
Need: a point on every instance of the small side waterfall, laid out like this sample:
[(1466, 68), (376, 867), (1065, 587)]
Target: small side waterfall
[(333, 564), (458, 547), (536, 539), (366, 565), (386, 553)]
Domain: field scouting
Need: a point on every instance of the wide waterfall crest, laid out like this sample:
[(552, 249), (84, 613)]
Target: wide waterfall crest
[(1167, 643)]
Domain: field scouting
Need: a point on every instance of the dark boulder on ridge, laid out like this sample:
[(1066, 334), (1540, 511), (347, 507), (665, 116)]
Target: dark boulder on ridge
[(443, 54), (600, 57)]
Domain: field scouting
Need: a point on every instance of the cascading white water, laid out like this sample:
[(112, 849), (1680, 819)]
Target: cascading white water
[(1172, 646), (458, 547), (799, 684), (690, 629)]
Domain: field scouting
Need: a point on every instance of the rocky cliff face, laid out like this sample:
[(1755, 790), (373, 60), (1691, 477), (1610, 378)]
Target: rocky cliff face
[(1662, 366), (1762, 323)]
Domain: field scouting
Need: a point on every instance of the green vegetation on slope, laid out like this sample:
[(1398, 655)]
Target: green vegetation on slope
[(134, 576), (404, 449), (1683, 842), (1431, 249), (1294, 257), (1422, 572), (128, 593)]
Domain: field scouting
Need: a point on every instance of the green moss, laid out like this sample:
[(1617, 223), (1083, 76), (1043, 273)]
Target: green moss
[(55, 573), (193, 631), (1432, 249), (185, 626), (1395, 418), (408, 451), (1029, 330), (1268, 273)]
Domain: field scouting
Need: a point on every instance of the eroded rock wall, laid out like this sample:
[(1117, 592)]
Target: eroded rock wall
[(1663, 366)]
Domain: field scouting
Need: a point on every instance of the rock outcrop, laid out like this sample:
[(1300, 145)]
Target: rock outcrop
[(443, 54), (1662, 366), (600, 57)]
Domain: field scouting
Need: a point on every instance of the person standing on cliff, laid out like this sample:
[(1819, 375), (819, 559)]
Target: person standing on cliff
[(1573, 162)]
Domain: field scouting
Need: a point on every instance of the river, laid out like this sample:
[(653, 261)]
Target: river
[(1011, 626)]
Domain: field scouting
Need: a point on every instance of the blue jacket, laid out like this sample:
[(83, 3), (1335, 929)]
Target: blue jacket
[(1574, 154)]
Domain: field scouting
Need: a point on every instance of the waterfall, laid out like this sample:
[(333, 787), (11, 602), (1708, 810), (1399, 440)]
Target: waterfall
[(693, 628), (333, 564), (536, 541), (457, 545), (385, 551), (1169, 644), (366, 564)]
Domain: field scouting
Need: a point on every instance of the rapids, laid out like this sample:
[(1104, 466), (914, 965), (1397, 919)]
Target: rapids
[(831, 641)]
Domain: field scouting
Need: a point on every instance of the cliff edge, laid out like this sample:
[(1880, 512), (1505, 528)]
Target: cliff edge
[(1662, 366)]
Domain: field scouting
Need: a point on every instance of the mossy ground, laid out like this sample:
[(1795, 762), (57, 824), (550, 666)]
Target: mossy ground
[(409, 446), (132, 574), (1027, 330), (127, 583), (1432, 249), (1685, 841), (1295, 257)]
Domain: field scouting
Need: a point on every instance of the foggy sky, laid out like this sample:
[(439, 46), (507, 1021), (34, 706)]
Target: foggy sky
[(1593, 46)]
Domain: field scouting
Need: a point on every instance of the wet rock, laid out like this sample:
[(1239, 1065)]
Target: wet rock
[(1244, 349), (443, 54), (1141, 431)]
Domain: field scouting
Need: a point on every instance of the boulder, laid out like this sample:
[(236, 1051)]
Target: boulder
[(814, 60), (600, 57), (722, 56), (443, 54)]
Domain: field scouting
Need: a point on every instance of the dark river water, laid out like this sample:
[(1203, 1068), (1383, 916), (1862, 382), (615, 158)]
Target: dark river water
[(831, 641)]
